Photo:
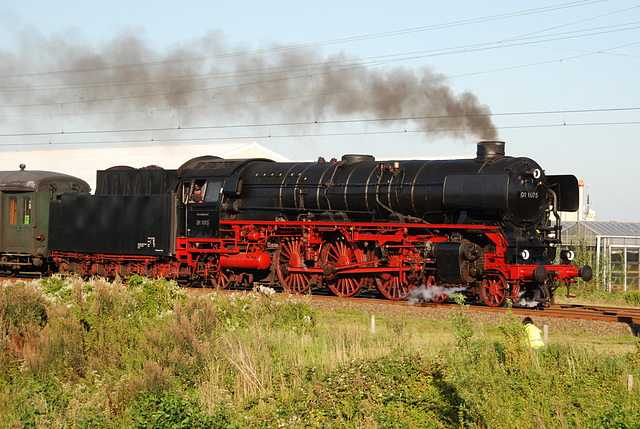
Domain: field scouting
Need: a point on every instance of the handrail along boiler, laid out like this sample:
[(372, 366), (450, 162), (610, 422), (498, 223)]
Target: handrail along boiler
[(349, 225)]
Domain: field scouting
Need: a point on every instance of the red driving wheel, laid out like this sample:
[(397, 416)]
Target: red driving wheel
[(291, 255), (395, 285), (493, 290), (338, 253), (436, 292)]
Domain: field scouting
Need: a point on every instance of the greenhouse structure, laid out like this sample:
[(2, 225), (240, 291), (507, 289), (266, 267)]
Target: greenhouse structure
[(613, 247)]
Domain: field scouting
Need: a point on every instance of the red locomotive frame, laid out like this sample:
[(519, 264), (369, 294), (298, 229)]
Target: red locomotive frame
[(347, 257)]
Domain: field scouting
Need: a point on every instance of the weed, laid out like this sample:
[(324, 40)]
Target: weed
[(291, 314), (613, 416), (512, 348), (79, 353), (463, 328), (21, 305), (154, 297), (632, 297), (174, 409), (54, 284)]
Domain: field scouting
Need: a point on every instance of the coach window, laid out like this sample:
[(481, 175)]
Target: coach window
[(13, 210), (212, 194), (26, 210)]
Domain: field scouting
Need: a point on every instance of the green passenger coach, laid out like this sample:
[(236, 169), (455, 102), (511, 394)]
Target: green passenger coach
[(24, 206)]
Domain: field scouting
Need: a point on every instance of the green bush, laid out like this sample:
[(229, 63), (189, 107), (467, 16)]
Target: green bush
[(92, 353), (561, 386), (21, 305), (174, 409), (463, 327), (512, 348), (154, 297), (632, 297), (24, 312), (403, 391), (290, 313)]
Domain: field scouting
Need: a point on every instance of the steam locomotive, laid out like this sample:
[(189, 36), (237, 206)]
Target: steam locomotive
[(349, 225)]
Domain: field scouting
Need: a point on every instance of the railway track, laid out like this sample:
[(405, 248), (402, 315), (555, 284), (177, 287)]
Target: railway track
[(628, 315), (594, 312), (566, 311)]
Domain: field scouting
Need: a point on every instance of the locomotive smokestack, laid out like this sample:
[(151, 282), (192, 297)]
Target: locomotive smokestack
[(490, 149)]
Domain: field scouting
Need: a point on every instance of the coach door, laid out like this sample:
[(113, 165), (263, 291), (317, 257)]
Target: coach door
[(201, 205), (17, 222)]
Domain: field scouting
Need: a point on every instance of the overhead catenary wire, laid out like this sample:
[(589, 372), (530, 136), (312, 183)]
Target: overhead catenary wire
[(489, 18), (315, 122), (272, 135), (271, 75), (268, 136), (312, 68)]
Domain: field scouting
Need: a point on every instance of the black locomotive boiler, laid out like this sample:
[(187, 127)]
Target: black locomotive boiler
[(351, 225)]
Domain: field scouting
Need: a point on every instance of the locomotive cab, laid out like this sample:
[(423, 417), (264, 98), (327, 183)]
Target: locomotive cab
[(205, 186), (200, 208)]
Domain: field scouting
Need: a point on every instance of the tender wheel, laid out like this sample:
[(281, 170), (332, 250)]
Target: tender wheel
[(395, 285), (435, 291), (493, 290), (290, 255), (339, 253)]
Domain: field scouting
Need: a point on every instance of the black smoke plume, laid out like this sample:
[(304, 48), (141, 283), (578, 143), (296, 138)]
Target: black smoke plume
[(125, 81)]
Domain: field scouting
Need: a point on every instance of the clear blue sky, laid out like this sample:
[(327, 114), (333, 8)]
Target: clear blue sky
[(309, 79)]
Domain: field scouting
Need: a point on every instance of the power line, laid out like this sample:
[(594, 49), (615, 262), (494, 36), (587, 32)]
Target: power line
[(342, 66), (308, 135), (330, 122), (348, 63), (346, 68), (489, 18), (318, 123), (304, 71)]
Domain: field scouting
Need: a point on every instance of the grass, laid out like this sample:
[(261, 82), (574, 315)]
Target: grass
[(91, 353), (596, 295)]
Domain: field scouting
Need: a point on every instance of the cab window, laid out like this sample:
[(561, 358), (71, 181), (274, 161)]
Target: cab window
[(193, 192), (198, 191), (212, 194), (186, 192)]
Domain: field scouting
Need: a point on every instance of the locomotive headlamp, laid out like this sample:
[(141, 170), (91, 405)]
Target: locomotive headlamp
[(535, 173), (525, 254), (567, 255)]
